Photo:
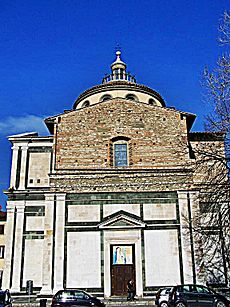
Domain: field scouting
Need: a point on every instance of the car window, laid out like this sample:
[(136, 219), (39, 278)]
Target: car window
[(79, 294), (186, 289), (209, 290), (178, 289), (201, 289), (193, 288), (65, 295), (165, 291), (70, 295)]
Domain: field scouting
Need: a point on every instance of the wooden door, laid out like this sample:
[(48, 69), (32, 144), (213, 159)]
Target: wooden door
[(122, 268)]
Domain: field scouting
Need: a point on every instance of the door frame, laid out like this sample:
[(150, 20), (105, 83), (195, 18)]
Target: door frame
[(127, 237), (133, 264)]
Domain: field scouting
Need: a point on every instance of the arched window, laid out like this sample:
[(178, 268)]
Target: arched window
[(152, 102), (85, 104), (131, 97), (106, 97)]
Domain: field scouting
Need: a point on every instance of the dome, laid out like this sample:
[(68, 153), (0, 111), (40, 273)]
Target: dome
[(118, 84)]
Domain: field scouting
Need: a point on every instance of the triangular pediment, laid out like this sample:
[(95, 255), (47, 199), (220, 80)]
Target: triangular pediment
[(121, 220)]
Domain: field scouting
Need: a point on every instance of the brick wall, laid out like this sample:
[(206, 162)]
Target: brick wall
[(157, 142), (157, 136)]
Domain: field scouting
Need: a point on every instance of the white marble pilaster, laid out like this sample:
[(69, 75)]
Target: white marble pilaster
[(194, 204), (8, 245), (20, 208), (59, 242), (185, 236), (24, 149), (14, 166), (53, 158), (48, 245), (138, 264)]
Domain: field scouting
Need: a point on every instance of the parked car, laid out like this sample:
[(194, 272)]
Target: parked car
[(75, 297), (162, 297), (5, 298), (196, 296)]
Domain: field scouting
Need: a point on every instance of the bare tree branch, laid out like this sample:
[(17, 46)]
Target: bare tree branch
[(224, 29), (211, 223)]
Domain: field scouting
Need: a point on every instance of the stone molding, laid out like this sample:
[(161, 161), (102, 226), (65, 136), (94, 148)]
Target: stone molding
[(117, 85)]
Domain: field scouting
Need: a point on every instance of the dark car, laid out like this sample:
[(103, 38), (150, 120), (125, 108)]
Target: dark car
[(162, 297), (196, 296), (5, 298), (75, 297)]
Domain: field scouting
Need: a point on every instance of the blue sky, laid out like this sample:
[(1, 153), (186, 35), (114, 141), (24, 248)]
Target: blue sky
[(51, 51)]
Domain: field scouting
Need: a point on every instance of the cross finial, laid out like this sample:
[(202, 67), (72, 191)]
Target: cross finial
[(118, 47)]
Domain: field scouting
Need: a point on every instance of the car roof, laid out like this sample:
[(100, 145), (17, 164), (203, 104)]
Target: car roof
[(193, 285), (70, 290), (67, 290)]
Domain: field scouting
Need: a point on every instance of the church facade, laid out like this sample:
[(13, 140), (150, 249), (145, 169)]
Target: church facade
[(106, 196)]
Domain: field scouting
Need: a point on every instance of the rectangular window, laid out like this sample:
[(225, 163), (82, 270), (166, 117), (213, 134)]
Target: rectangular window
[(1, 273), (35, 210), (1, 229), (2, 249), (120, 155)]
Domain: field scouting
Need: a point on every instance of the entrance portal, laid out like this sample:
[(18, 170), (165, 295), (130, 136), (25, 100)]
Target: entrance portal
[(122, 268)]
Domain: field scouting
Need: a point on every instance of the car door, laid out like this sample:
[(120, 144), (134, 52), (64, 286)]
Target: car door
[(192, 298), (205, 297), (81, 299), (187, 295)]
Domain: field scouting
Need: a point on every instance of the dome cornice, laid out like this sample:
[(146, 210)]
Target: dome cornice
[(114, 85)]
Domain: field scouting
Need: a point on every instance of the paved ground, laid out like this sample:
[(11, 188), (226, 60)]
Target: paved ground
[(28, 302), (33, 301), (24, 302)]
